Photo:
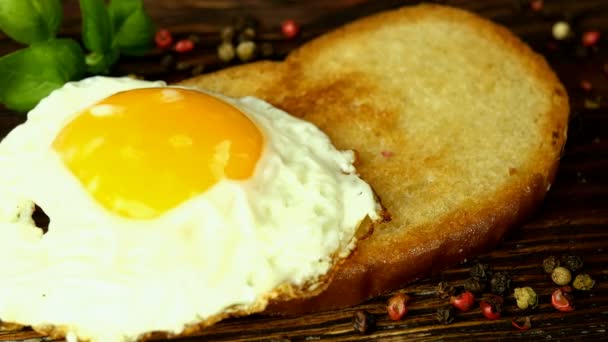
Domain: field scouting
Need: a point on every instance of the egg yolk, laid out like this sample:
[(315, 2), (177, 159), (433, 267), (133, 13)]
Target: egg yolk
[(142, 152)]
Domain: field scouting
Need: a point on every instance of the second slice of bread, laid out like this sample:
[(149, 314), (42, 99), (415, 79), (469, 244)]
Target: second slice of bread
[(458, 126)]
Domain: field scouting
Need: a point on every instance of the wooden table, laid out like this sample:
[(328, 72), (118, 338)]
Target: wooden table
[(574, 217)]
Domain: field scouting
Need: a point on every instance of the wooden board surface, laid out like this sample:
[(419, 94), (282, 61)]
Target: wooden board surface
[(574, 217)]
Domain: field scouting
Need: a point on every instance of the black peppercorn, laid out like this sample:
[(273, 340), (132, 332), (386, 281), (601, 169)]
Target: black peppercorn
[(571, 262), (227, 34), (195, 38), (241, 23), (445, 314), (444, 290), (246, 34), (550, 263), (363, 321), (182, 65), (480, 271), (198, 69), (581, 52), (167, 62), (266, 49), (474, 285), (500, 283)]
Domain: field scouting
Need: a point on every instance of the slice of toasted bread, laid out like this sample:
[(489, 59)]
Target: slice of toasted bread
[(458, 125)]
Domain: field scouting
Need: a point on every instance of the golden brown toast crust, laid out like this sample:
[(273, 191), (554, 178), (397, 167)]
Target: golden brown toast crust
[(337, 81)]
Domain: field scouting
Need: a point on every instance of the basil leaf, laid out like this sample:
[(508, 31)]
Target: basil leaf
[(96, 28), (100, 63), (135, 50), (51, 12), (133, 28), (135, 34), (30, 21), (120, 10), (30, 74)]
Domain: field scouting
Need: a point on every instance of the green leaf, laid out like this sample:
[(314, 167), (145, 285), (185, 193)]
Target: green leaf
[(136, 33), (100, 63), (96, 26), (30, 74), (120, 10), (51, 13), (133, 28), (30, 21), (135, 51)]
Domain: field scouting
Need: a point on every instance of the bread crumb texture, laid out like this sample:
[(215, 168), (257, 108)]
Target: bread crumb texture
[(472, 119)]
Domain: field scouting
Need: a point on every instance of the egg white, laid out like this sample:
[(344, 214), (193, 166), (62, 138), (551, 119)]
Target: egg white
[(109, 278)]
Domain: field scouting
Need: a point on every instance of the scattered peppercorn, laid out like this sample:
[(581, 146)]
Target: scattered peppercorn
[(571, 262), (246, 51), (227, 33), (480, 271), (474, 285), (397, 306), (198, 69), (552, 45), (182, 65), (562, 300), (592, 103), (195, 38), (583, 282), (464, 301), (167, 61), (266, 50), (491, 307), (246, 34), (561, 276), (363, 321), (243, 22), (445, 314), (561, 30), (586, 85), (163, 39), (590, 38), (536, 5), (444, 290), (225, 52), (184, 46), (290, 28), (581, 52), (238, 40), (525, 297), (500, 283), (550, 263), (522, 323)]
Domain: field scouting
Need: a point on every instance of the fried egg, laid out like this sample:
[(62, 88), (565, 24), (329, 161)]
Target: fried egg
[(168, 206)]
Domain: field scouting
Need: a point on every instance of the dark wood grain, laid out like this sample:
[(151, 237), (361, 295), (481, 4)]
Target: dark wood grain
[(574, 217)]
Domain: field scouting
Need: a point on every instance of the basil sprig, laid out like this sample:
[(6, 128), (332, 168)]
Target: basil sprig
[(30, 74), (30, 21)]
